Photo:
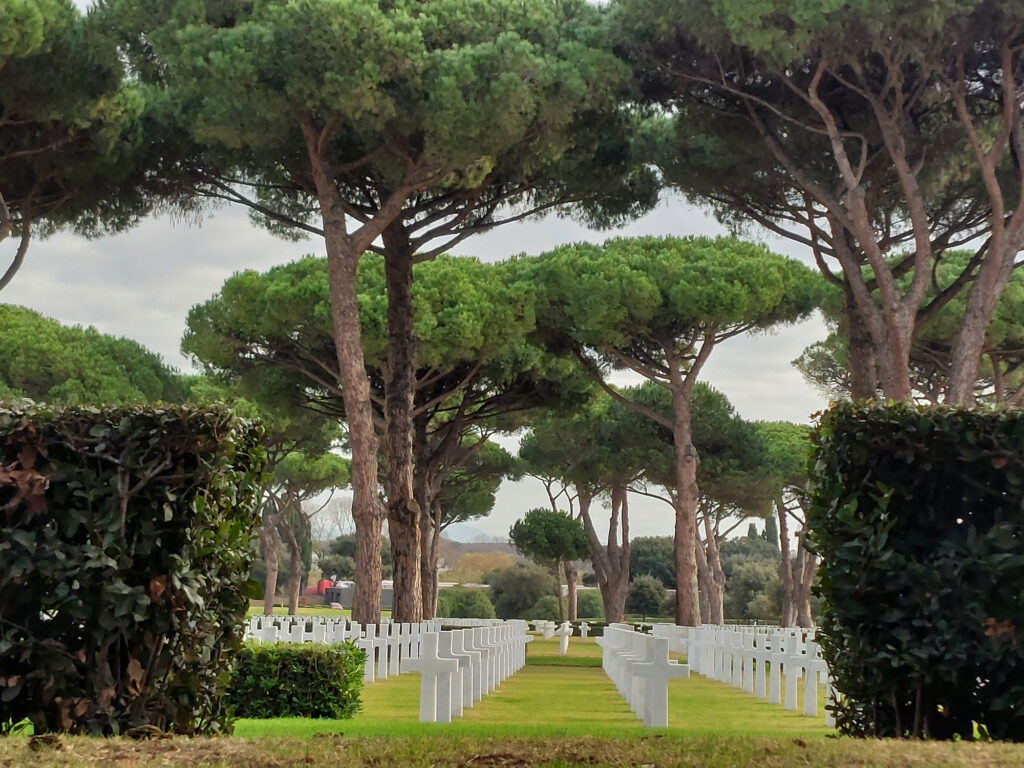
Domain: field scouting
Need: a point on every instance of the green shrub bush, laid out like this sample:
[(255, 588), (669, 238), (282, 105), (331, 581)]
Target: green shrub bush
[(918, 514), (645, 596), (589, 605), (464, 603), (297, 680), (545, 609), (514, 591), (124, 539)]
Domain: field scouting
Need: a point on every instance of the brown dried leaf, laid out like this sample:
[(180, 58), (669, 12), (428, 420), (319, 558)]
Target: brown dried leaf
[(27, 457), (135, 674), (106, 696), (157, 586)]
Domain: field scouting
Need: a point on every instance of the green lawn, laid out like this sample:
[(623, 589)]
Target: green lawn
[(556, 696), (552, 714)]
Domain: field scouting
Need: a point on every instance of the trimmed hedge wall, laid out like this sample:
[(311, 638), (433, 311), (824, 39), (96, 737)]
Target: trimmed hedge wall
[(297, 680), (918, 514), (124, 542)]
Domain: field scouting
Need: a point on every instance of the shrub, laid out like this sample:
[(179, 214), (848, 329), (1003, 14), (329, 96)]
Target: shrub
[(514, 591), (545, 609), (124, 538), (753, 591), (917, 514), (645, 596), (589, 605), (653, 556), (297, 680), (464, 603)]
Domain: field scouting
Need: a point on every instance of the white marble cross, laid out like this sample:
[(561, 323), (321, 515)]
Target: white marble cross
[(564, 633), (462, 685), (436, 676), (584, 629), (655, 674), (795, 661)]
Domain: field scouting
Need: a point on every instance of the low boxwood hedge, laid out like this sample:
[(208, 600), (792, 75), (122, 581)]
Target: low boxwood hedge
[(293, 680)]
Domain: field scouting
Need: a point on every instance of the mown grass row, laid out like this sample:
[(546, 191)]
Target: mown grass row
[(556, 713)]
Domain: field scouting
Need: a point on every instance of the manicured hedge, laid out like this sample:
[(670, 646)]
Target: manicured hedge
[(918, 514), (297, 680), (125, 549)]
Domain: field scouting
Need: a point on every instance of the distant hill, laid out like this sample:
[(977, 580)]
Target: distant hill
[(463, 532)]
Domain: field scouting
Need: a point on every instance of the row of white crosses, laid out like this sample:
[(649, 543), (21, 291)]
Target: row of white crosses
[(755, 659), (458, 667), (640, 667), (387, 644)]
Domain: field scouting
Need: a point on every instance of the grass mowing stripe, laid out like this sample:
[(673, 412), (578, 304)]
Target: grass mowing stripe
[(549, 699)]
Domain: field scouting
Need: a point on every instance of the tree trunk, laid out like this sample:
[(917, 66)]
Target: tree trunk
[(421, 488), (26, 236), (685, 503), (863, 376), (969, 346), (294, 566), (430, 574), (270, 540), (619, 579), (399, 385), (885, 319), (343, 253), (611, 561), (894, 358), (803, 581), (716, 593), (367, 513), (570, 582), (705, 582), (786, 566), (558, 591)]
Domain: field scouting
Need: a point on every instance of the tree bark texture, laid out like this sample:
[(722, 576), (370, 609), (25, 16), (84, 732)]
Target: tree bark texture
[(704, 580), (863, 376), (788, 617), (294, 566), (685, 504), (270, 541), (570, 583), (6, 227), (367, 513), (969, 345), (343, 253), (716, 589), (611, 561), (806, 565), (399, 388), (558, 591)]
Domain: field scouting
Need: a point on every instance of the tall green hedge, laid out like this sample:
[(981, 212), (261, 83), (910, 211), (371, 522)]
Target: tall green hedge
[(124, 554), (918, 514), (297, 680)]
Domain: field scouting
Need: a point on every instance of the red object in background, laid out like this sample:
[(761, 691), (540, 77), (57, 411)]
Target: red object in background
[(322, 585)]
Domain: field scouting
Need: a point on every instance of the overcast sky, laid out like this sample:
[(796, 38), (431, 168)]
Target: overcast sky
[(142, 283)]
